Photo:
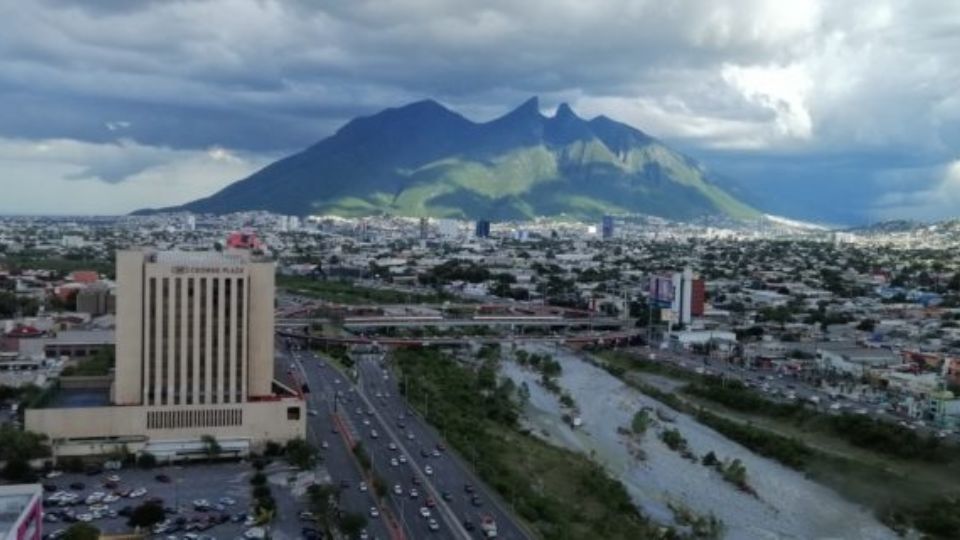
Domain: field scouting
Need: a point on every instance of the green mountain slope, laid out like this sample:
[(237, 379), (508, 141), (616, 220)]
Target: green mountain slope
[(424, 160)]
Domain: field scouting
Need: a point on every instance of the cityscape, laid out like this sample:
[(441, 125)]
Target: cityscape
[(443, 270)]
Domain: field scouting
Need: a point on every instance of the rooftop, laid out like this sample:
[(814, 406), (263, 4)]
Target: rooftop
[(13, 501), (79, 398)]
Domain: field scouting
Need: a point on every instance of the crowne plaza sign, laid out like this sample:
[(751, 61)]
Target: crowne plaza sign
[(206, 270)]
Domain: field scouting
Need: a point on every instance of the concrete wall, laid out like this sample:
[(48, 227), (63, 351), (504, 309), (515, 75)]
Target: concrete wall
[(93, 426), (130, 326)]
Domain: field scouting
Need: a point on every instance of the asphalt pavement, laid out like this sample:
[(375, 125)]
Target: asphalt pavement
[(375, 406)]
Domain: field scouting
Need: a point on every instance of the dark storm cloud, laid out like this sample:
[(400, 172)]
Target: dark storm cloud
[(762, 89)]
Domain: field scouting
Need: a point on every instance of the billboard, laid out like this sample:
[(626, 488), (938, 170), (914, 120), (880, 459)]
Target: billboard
[(661, 290)]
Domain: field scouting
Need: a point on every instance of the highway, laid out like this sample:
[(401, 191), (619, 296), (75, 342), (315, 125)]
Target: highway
[(327, 382), (450, 472), (336, 456)]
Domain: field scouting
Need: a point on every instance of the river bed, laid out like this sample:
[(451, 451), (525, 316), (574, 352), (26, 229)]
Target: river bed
[(786, 505)]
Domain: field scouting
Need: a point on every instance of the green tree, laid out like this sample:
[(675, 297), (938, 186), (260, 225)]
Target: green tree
[(301, 454), (352, 523), (81, 531), (146, 460), (210, 446), (146, 515)]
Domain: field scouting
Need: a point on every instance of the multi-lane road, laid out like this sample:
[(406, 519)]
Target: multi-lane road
[(431, 493)]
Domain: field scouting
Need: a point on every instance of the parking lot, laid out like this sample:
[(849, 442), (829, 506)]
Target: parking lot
[(201, 500)]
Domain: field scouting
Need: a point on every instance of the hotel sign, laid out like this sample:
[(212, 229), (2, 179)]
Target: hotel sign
[(206, 270)]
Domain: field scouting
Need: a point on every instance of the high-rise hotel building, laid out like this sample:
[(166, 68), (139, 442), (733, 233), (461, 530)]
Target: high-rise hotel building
[(195, 356)]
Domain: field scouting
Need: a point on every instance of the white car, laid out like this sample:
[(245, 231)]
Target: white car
[(139, 492), (392, 446), (424, 511), (414, 493), (397, 489), (403, 458), (433, 525), (428, 470), (54, 474), (374, 512), (363, 486)]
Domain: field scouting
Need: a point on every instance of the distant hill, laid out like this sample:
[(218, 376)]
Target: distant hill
[(425, 160)]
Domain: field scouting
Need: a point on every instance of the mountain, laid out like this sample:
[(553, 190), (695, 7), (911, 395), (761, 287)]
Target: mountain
[(423, 159)]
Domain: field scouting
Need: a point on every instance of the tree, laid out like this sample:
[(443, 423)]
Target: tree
[(301, 454), (523, 392), (15, 444), (147, 461), (18, 471), (352, 523), (146, 515), (210, 446), (81, 531)]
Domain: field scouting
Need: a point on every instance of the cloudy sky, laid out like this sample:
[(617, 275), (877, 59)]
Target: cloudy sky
[(844, 111)]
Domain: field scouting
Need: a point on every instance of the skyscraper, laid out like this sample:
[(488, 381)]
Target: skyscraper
[(606, 227), (483, 229)]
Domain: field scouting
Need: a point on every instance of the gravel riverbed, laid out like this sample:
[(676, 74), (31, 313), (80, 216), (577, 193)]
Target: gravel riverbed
[(786, 505)]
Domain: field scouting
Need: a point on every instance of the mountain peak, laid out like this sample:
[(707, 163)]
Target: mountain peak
[(564, 111), (530, 106), (423, 157)]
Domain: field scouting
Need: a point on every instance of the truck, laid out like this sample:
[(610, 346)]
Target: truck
[(488, 526)]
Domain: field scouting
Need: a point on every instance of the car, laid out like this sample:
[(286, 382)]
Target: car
[(369, 412), (433, 525), (78, 486), (394, 462), (441, 447), (397, 489), (162, 478), (430, 502), (344, 484), (401, 424), (468, 488), (424, 511), (447, 496), (358, 410), (324, 444), (54, 474), (50, 488), (435, 453), (363, 486), (392, 446), (363, 535), (309, 534), (312, 412), (402, 458), (424, 452), (374, 512), (374, 434), (410, 436), (475, 500), (414, 493), (468, 525), (227, 501), (428, 470), (306, 516), (113, 478), (139, 492), (366, 421), (415, 479)]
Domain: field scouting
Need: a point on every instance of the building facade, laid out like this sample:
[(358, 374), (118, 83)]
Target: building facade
[(195, 356), (21, 512)]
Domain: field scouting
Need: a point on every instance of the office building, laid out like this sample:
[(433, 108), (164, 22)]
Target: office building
[(424, 228), (483, 229), (688, 297), (21, 512), (606, 227), (194, 357)]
